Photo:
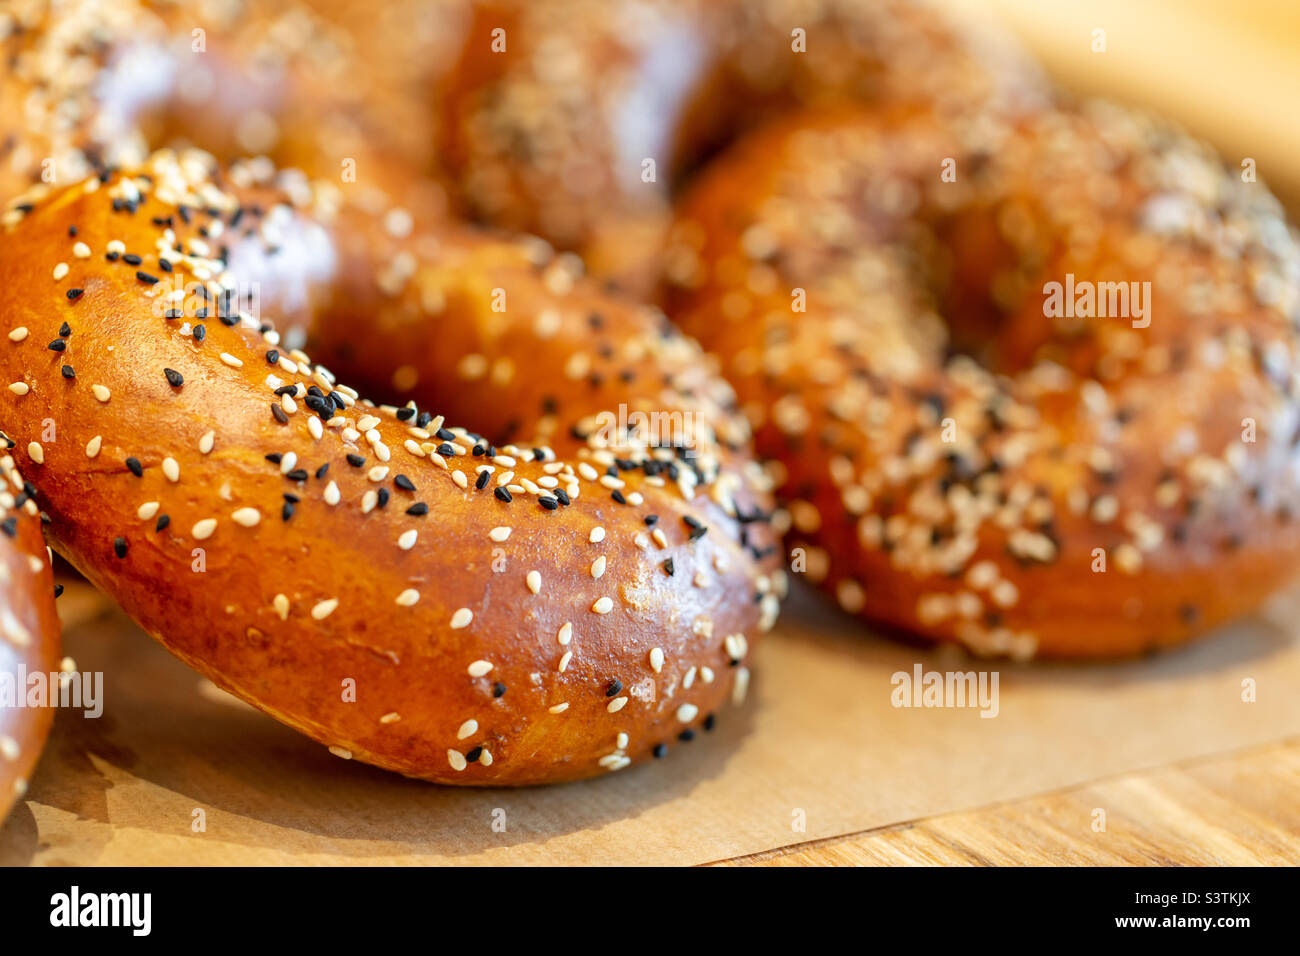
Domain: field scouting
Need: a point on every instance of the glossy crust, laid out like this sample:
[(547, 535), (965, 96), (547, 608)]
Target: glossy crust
[(29, 631), (1023, 483), (544, 622)]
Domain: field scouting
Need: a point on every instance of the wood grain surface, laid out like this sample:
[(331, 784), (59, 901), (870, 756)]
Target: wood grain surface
[(1239, 809)]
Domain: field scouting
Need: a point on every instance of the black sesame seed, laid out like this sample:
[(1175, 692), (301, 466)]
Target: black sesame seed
[(382, 497), (10, 526), (323, 470), (660, 751), (710, 721), (298, 474), (405, 414), (356, 461), (75, 293), (162, 522), (119, 547), (58, 345), (68, 371), (199, 333), (481, 480), (669, 567), (418, 510), (58, 590), (618, 496), (498, 689), (650, 520), (280, 414), (404, 483), (287, 496), (132, 259), (686, 736), (146, 278), (133, 465), (165, 265), (274, 457), (286, 512), (272, 356), (473, 755), (502, 494), (613, 687), (549, 503), (174, 378)]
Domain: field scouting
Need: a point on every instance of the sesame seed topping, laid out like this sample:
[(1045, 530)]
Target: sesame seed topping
[(461, 618)]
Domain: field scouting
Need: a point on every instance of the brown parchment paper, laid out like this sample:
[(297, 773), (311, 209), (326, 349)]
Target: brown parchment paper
[(819, 744)]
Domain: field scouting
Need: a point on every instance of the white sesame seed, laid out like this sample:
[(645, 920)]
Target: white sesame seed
[(479, 668), (617, 704), (406, 540), (603, 606), (18, 334), (391, 717), (281, 605), (565, 633), (657, 659), (341, 752), (207, 442), (597, 535), (81, 250), (460, 479), (60, 271), (740, 688), (564, 661), (457, 760), (408, 597), (461, 618), (248, 517), (172, 469), (598, 567), (687, 712), (315, 427), (101, 392), (559, 708), (499, 533), (332, 495), (324, 609), (231, 360), (534, 580), (202, 530), (36, 453), (467, 729), (20, 388), (485, 758), (147, 510), (378, 473)]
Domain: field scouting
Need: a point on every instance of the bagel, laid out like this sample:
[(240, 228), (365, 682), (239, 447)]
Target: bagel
[(29, 632), (334, 88), (412, 594), (1021, 475), (616, 102)]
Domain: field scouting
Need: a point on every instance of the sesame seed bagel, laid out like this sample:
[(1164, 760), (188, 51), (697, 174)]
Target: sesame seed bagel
[(573, 119), (29, 631), (339, 89), (430, 599), (1046, 404)]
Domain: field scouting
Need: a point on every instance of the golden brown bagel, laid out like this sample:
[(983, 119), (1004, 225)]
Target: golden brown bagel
[(394, 587), (29, 630), (339, 89), (1090, 485), (573, 119)]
